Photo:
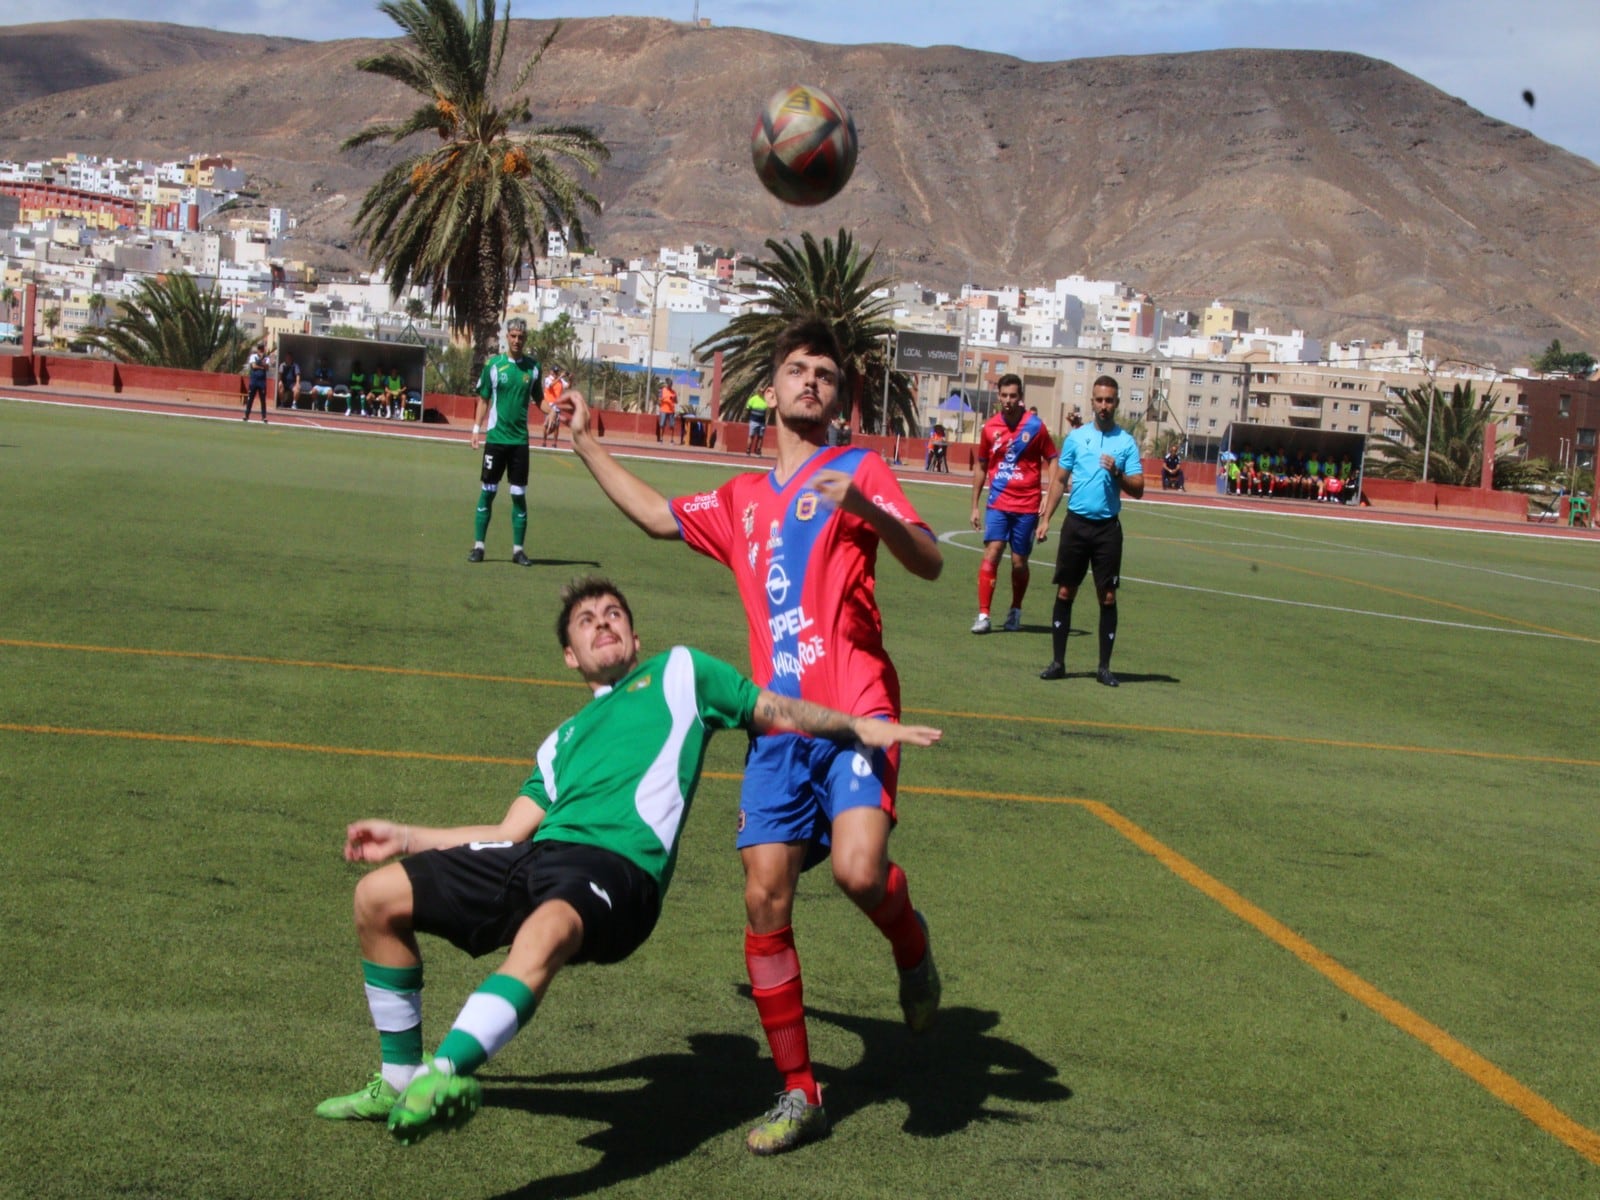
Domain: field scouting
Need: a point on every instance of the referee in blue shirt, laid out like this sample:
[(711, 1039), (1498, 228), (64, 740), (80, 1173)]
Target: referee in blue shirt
[(1100, 464)]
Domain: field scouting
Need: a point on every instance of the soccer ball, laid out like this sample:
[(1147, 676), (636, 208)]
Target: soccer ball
[(804, 146)]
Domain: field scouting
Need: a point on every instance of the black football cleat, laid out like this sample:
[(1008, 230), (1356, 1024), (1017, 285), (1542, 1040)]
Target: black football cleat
[(1054, 671)]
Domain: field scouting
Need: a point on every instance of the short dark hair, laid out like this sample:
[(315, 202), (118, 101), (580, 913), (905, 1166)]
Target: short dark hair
[(812, 334), (1006, 381), (1106, 381), (587, 587)]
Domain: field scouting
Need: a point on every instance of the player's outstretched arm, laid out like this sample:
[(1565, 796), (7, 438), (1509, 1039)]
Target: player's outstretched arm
[(784, 714), (376, 841), (914, 547), (639, 502)]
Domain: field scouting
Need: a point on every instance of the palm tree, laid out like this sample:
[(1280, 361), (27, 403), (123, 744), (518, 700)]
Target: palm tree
[(829, 281), (170, 322), (97, 308), (459, 219), (450, 371), (1450, 428), (52, 319), (8, 297)]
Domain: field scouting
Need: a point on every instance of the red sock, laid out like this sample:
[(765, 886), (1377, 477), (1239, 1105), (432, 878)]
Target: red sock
[(897, 920), (987, 574), (1019, 585), (774, 969)]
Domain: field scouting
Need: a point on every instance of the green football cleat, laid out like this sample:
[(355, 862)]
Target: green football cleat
[(371, 1103), (920, 988), (792, 1122), (434, 1101)]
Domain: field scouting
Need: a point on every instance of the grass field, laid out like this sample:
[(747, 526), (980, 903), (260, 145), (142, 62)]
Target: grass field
[(1305, 908)]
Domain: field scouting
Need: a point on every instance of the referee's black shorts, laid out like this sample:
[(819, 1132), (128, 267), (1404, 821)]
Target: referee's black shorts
[(1087, 543), (505, 458), (478, 895)]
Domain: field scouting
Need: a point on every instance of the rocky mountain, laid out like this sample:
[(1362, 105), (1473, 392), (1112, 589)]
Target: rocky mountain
[(1326, 191)]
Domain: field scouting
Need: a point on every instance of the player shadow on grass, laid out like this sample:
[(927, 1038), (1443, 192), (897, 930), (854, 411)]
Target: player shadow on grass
[(953, 1077), (1124, 677), (549, 562), (680, 1104)]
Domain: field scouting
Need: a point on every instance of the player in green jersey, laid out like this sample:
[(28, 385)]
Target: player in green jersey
[(509, 383), (576, 869)]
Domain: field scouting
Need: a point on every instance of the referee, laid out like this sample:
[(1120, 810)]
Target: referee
[(1100, 464)]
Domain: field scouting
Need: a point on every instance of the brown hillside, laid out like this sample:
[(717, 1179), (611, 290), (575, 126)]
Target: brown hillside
[(1325, 190)]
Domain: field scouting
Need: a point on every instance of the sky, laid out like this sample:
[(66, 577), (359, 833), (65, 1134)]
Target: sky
[(1487, 52)]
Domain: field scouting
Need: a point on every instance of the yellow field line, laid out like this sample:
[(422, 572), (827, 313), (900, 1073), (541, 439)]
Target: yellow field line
[(1466, 1060), (197, 739), (1292, 739), (261, 660), (1389, 591)]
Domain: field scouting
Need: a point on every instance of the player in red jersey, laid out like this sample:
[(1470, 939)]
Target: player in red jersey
[(1013, 448), (802, 543)]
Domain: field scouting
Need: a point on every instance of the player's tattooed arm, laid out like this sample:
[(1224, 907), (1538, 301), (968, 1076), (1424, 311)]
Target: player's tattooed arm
[(785, 714)]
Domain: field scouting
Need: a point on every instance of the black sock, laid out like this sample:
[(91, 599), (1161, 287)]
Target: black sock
[(1108, 632), (1060, 626)]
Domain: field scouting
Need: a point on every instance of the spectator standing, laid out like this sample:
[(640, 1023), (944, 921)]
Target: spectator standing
[(255, 371), (755, 411), (666, 409), (552, 399)]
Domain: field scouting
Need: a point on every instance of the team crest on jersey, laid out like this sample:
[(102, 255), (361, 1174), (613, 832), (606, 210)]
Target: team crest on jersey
[(806, 507), (749, 520), (637, 684)]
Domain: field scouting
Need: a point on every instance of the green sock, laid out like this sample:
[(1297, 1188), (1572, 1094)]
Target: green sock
[(488, 1020), (519, 518), (485, 511), (394, 997)]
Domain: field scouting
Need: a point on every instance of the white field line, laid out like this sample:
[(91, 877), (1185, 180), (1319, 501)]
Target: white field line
[(949, 539)]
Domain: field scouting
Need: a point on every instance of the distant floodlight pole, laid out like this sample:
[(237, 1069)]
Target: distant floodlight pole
[(888, 363), (1427, 441)]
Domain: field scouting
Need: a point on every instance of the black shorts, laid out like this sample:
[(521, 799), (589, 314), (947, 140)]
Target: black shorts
[(1086, 543), (477, 896), (505, 458)]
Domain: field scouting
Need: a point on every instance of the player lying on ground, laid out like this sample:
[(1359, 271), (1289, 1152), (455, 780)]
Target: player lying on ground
[(588, 847)]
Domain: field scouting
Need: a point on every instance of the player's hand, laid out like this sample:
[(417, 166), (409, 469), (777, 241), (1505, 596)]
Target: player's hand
[(477, 441), (839, 490), (1109, 463), (880, 735), (374, 841), (574, 410), (1043, 531), (976, 520)]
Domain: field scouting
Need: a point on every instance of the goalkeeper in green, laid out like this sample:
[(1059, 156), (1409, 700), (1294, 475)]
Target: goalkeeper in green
[(575, 871)]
